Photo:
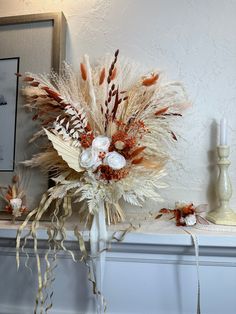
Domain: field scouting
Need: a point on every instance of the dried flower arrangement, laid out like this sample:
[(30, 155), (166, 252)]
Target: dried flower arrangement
[(14, 197), (185, 214), (108, 130)]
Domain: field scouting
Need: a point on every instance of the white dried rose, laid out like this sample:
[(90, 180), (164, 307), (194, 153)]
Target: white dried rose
[(115, 160), (190, 220), (101, 143), (90, 159), (16, 204)]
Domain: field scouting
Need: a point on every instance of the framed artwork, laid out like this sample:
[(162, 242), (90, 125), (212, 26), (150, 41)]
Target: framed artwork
[(29, 43), (8, 105)]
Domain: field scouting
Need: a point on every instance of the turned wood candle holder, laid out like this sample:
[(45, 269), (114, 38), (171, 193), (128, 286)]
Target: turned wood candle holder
[(223, 215)]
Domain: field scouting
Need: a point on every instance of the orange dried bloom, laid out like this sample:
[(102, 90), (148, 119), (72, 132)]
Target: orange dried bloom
[(122, 143), (188, 210)]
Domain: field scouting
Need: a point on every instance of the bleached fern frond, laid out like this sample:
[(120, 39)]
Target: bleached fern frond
[(131, 198)]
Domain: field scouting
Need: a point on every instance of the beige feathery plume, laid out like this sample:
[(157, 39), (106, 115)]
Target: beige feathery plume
[(93, 105)]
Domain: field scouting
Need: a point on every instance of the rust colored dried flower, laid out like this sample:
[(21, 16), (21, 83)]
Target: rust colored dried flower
[(188, 210), (119, 136), (130, 142), (123, 143), (108, 174), (119, 123), (86, 140)]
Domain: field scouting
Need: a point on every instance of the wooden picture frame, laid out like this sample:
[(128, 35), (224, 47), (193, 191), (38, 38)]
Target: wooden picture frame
[(37, 41)]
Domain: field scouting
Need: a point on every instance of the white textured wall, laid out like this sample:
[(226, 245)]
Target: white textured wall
[(193, 41)]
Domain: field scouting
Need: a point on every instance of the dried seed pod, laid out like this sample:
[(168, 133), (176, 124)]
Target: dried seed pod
[(83, 71), (116, 53), (113, 75), (102, 76), (137, 161), (151, 80), (28, 79), (34, 84), (15, 179), (161, 111), (137, 151)]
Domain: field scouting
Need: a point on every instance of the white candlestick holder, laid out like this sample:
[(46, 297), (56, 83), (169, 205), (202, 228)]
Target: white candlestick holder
[(223, 215)]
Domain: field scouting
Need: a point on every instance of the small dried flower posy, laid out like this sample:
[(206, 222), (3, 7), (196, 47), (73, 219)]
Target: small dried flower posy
[(14, 197), (185, 214)]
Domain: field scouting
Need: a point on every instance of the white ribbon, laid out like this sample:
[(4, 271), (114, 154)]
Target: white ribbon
[(98, 239), (196, 247)]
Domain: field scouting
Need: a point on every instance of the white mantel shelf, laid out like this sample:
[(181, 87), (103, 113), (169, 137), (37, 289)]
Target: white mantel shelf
[(169, 236)]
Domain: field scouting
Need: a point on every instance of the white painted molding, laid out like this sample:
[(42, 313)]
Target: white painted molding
[(157, 256), (140, 253), (9, 309)]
